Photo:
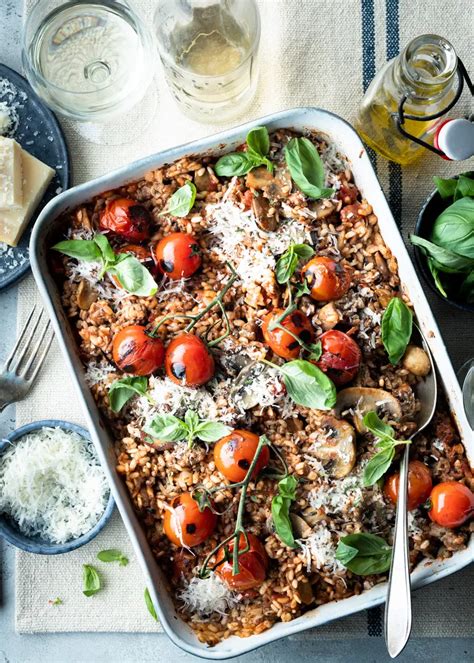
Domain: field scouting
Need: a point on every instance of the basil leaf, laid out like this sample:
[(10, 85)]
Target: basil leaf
[(397, 321), (307, 385), (345, 553), (373, 554), (236, 163), (376, 426), (302, 289), (181, 202), (167, 427), (467, 288), (121, 391), (112, 555), (378, 465), (446, 188), (303, 250), (281, 504), (258, 141), (444, 259), (149, 605), (191, 419), (465, 187), (210, 431), (454, 228), (134, 277), (90, 580), (286, 266), (315, 350), (105, 248), (432, 265), (81, 249), (306, 168)]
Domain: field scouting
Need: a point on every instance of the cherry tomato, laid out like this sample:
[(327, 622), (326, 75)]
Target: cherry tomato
[(178, 255), (185, 525), (188, 361), (234, 453), (452, 503), (253, 564), (340, 358), (140, 252), (283, 343), (327, 278), (419, 485), (126, 218), (135, 351)]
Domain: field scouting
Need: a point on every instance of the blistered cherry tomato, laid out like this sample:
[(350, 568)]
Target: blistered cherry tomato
[(188, 361), (141, 253), (283, 343), (452, 504), (419, 485), (126, 218), (185, 525), (253, 564), (178, 255), (328, 279), (340, 357), (135, 351), (234, 453)]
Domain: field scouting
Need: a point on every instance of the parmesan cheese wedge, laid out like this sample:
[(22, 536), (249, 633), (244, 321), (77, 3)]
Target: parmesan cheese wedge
[(36, 177), (11, 174)]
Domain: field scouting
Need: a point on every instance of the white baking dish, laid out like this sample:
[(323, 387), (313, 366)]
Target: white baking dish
[(45, 228)]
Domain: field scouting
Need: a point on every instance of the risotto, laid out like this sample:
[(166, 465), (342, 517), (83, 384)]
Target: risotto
[(245, 336)]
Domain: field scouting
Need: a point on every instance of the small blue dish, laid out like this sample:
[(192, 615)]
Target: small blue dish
[(8, 528), (430, 211)]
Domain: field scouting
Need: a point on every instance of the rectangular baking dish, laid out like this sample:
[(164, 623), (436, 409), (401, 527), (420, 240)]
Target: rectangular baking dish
[(46, 229)]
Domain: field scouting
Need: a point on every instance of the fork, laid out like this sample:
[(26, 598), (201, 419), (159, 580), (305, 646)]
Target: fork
[(25, 360)]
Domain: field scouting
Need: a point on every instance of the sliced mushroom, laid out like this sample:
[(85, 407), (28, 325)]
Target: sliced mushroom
[(261, 208), (305, 592), (336, 448), (85, 295), (357, 401), (329, 316), (301, 529), (205, 180), (247, 389), (258, 178), (323, 208), (416, 361)]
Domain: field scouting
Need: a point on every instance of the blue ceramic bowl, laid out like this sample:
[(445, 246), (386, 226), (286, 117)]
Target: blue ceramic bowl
[(430, 211), (8, 528)]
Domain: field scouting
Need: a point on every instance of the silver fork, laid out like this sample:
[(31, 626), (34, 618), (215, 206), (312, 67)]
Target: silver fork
[(22, 365), (398, 614)]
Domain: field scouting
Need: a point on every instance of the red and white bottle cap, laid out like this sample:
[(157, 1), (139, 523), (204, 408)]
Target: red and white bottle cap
[(456, 139)]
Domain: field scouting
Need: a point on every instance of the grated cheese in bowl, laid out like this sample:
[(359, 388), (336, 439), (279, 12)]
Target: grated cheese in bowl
[(52, 485)]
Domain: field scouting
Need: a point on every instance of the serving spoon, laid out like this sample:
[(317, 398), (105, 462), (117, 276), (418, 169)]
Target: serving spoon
[(398, 613)]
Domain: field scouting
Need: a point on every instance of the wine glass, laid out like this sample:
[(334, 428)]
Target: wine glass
[(93, 62)]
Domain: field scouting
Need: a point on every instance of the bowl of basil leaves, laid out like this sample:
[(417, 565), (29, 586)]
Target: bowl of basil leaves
[(444, 240)]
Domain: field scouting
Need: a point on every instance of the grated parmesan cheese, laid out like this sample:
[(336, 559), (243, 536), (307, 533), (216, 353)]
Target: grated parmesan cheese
[(52, 485), (319, 550), (203, 596), (98, 371)]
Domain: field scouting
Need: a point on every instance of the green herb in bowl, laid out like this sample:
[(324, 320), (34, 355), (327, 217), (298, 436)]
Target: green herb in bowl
[(449, 245)]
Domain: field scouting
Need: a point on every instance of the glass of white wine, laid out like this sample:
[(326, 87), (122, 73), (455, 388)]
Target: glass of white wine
[(92, 61), (209, 53)]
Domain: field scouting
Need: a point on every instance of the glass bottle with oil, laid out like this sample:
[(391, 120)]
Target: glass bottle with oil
[(425, 76)]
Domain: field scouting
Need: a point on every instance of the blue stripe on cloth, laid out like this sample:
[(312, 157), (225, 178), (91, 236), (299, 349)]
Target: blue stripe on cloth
[(393, 49)]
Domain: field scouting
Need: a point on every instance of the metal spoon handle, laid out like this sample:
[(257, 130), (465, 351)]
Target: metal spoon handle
[(398, 605)]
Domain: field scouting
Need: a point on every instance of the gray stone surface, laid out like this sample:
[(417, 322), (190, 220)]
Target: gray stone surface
[(134, 648)]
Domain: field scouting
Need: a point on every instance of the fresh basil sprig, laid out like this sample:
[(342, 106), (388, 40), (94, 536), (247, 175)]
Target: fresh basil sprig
[(364, 554), (90, 580), (240, 163), (307, 385), (281, 510), (386, 443), (306, 168), (181, 202), (288, 261), (168, 428), (149, 605), (456, 187), (444, 259), (132, 275), (112, 555), (397, 324), (121, 391)]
